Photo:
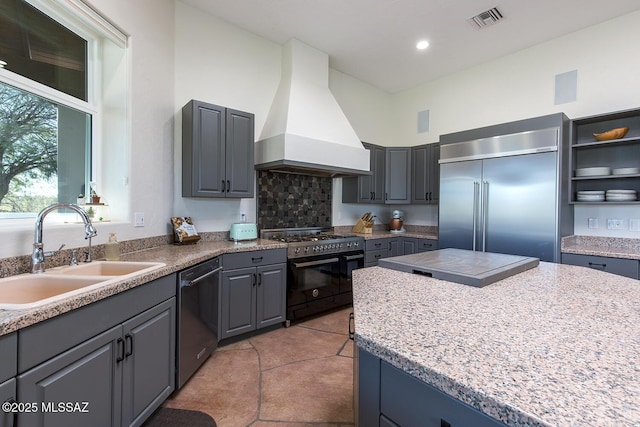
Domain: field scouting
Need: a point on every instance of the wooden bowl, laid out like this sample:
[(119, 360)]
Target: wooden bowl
[(612, 134)]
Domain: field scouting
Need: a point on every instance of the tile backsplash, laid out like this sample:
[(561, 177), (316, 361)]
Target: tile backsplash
[(286, 200)]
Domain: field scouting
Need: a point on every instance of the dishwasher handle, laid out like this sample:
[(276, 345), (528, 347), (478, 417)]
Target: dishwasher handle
[(199, 278)]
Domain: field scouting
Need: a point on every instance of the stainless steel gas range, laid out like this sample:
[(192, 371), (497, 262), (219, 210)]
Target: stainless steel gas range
[(319, 266)]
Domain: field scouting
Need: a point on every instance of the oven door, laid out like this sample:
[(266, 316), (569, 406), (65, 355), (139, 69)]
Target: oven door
[(317, 274)]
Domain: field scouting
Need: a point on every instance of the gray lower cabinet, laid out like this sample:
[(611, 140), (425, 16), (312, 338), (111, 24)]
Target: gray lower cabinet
[(117, 377), (376, 249), (8, 395), (619, 266), (389, 397), (254, 291)]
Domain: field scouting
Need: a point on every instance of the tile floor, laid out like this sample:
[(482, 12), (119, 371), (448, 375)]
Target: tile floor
[(290, 377)]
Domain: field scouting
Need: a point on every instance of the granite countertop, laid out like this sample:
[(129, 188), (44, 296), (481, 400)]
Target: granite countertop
[(175, 257), (556, 345), (384, 234), (602, 246)]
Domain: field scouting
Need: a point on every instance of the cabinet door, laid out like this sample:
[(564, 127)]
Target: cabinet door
[(425, 174), (272, 295), (378, 177), (409, 245), (203, 150), (395, 248), (149, 365), (90, 372), (238, 303), (397, 175), (8, 394), (239, 154)]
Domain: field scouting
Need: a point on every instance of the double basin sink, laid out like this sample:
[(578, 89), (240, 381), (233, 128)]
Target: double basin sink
[(33, 290)]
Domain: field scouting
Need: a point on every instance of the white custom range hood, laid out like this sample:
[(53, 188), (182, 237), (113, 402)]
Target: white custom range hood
[(306, 131)]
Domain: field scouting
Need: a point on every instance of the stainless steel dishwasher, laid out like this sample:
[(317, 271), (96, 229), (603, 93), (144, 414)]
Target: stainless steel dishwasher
[(198, 317)]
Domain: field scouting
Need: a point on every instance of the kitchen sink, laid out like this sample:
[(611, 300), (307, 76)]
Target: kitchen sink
[(108, 268), (33, 290), (26, 291)]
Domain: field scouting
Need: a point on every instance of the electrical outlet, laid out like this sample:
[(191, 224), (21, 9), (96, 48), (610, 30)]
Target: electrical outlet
[(614, 224), (593, 222), (138, 219)]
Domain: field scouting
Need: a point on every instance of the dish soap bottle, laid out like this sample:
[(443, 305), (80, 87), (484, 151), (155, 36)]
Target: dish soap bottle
[(112, 248)]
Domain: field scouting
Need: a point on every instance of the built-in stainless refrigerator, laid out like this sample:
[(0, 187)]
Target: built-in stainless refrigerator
[(505, 193)]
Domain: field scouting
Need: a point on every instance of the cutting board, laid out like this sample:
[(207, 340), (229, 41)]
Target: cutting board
[(461, 266)]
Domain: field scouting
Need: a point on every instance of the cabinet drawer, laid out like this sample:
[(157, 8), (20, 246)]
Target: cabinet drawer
[(8, 356), (427, 245), (619, 266), (254, 258), (406, 401), (374, 256), (375, 244)]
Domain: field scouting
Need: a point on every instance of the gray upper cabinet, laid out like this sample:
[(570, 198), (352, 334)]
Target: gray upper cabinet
[(367, 188), (397, 175), (390, 179), (217, 151), (425, 174)]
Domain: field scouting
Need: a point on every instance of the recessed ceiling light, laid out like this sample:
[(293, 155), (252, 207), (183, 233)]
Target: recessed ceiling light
[(422, 45)]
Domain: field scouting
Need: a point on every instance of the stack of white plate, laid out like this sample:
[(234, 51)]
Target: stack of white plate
[(626, 171), (593, 171), (621, 195), (591, 196)]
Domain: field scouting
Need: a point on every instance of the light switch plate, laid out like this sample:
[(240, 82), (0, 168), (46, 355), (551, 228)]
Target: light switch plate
[(593, 222), (138, 219), (634, 224)]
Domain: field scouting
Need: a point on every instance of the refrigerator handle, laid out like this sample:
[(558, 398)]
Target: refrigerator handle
[(485, 213), (476, 190)]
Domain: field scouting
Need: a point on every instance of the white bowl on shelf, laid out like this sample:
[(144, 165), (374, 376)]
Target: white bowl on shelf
[(595, 171)]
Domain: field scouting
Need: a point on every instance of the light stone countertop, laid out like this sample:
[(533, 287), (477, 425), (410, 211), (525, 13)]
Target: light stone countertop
[(175, 257), (557, 345), (612, 247)]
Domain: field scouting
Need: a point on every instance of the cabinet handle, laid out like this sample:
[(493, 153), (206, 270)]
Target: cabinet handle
[(120, 350), (444, 423), (429, 195), (597, 266), (386, 196), (378, 256), (255, 279), (259, 279), (377, 245), (223, 186), (128, 340), (352, 327), (257, 259), (228, 186)]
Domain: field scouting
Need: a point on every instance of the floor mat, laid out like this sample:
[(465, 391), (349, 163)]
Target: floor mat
[(170, 417)]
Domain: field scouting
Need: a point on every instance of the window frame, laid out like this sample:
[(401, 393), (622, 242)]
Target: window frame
[(81, 19)]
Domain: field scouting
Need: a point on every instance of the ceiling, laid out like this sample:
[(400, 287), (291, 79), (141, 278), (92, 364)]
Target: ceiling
[(374, 40)]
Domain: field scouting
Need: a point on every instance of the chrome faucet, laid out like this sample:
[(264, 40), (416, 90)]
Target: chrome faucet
[(37, 258)]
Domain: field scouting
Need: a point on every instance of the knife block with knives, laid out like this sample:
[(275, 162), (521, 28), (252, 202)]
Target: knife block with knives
[(364, 224)]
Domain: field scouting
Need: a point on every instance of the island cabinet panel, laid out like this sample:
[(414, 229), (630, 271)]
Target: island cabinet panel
[(619, 266), (8, 356), (388, 397), (8, 395)]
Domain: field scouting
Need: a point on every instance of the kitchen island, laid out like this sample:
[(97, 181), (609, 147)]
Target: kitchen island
[(556, 345)]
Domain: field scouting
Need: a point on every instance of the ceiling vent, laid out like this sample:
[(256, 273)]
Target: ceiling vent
[(485, 19)]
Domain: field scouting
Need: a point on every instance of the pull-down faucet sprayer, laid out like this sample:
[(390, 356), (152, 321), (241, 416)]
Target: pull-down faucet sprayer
[(38, 255)]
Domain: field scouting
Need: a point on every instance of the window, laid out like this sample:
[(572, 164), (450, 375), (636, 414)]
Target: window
[(55, 58)]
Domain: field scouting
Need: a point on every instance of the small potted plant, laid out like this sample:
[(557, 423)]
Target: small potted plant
[(95, 199)]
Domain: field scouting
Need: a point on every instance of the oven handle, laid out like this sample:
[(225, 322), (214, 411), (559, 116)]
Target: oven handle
[(313, 263), (352, 257)]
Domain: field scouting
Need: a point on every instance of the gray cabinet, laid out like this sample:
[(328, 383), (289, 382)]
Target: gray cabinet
[(397, 175), (376, 249), (8, 395), (123, 373), (425, 172), (388, 397), (367, 188), (619, 266), (217, 151), (254, 291), (390, 179)]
